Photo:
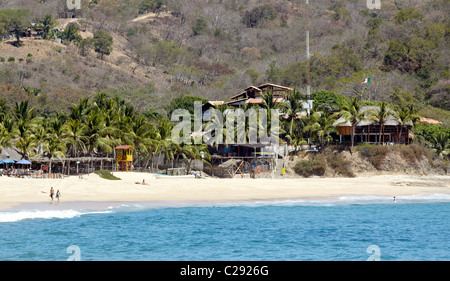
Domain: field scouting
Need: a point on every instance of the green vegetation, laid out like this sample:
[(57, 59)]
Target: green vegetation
[(434, 137), (314, 166), (106, 175), (337, 162), (185, 102), (14, 21), (93, 127), (376, 154), (214, 49), (71, 33), (154, 6), (259, 15), (331, 158), (102, 43)]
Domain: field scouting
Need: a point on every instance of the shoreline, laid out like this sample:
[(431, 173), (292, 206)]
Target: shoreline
[(93, 191)]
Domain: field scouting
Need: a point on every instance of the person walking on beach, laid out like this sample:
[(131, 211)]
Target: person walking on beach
[(58, 195), (52, 192)]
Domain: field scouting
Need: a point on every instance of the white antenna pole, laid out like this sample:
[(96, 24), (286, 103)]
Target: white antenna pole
[(308, 56), (308, 82)]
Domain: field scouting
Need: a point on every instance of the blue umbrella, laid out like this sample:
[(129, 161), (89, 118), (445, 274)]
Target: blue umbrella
[(1, 162), (8, 161), (23, 161)]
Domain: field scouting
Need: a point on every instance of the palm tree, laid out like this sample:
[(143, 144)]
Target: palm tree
[(269, 103), (4, 109), (26, 146), (312, 125), (48, 23), (22, 112), (414, 115), (40, 136), (326, 127), (5, 137), (381, 116), (195, 152), (54, 147), (78, 111), (95, 133), (403, 115), (441, 143), (351, 111), (138, 132), (163, 135), (180, 150), (75, 132), (292, 106)]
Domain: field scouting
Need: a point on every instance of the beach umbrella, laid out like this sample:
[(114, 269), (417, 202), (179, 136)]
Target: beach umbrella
[(8, 161), (24, 162)]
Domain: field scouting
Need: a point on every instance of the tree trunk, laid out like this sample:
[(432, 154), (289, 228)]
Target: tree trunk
[(353, 134), (379, 136)]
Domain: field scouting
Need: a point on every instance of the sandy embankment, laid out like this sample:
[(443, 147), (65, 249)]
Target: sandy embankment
[(92, 188)]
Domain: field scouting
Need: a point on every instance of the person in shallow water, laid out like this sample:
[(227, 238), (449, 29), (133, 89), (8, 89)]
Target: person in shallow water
[(58, 194)]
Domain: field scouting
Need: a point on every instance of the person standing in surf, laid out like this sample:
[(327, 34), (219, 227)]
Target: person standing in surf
[(58, 195)]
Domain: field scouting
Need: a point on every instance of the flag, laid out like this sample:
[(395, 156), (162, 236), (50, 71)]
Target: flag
[(367, 80)]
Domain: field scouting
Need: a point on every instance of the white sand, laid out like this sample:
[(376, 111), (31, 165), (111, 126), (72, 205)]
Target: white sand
[(92, 188)]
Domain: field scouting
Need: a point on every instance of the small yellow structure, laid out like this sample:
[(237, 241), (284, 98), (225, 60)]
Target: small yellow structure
[(124, 155)]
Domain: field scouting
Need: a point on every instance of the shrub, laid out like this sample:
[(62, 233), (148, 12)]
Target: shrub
[(200, 27), (2, 59), (259, 15), (106, 175), (337, 162), (313, 166), (154, 6), (374, 154), (414, 153), (11, 59)]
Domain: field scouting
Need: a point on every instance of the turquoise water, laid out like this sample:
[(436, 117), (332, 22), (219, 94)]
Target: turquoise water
[(415, 228)]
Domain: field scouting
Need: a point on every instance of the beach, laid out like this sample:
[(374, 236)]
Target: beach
[(168, 192)]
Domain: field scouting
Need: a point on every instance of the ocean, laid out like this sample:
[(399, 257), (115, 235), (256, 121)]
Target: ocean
[(350, 228)]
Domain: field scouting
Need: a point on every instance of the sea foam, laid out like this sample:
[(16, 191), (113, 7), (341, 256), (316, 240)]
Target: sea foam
[(35, 214), (342, 200), (16, 216)]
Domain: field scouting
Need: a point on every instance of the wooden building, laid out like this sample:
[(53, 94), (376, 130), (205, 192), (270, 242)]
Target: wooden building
[(368, 130), (253, 94)]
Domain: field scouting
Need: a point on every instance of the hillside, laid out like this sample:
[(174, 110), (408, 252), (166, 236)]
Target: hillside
[(213, 49), (363, 161)]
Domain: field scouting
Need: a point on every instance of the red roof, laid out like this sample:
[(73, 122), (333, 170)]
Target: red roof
[(252, 100), (429, 121), (124, 147)]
